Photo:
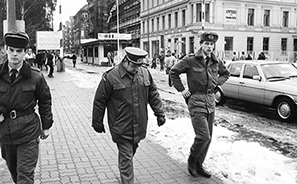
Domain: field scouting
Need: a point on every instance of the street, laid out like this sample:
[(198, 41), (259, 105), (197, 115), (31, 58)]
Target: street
[(75, 153)]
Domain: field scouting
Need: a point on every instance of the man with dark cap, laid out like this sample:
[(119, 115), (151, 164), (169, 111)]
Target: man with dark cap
[(21, 88), (204, 73), (125, 91)]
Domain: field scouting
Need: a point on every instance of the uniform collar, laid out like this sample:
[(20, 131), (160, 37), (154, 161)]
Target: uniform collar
[(199, 54), (24, 71)]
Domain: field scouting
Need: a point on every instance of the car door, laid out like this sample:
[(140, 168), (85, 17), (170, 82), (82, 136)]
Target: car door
[(251, 85), (230, 88)]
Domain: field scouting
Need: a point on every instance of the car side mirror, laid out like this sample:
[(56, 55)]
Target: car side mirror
[(257, 77)]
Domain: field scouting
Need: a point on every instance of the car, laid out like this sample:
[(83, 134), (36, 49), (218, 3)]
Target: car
[(270, 83)]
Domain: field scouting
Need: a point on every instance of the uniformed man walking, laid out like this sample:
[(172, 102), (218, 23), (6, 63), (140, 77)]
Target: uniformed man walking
[(125, 91), (21, 88), (204, 72)]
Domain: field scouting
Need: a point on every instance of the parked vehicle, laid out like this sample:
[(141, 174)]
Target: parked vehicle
[(270, 83)]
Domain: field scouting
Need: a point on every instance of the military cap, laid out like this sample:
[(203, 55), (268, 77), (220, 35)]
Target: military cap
[(135, 55), (16, 39), (209, 36)]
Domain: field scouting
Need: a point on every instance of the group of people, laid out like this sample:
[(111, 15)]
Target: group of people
[(124, 91), (261, 56)]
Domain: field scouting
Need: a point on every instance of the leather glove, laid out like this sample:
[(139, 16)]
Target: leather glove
[(44, 134), (99, 129), (161, 120)]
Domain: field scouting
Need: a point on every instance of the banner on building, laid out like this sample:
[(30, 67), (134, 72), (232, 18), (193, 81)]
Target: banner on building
[(113, 8), (48, 40), (231, 15)]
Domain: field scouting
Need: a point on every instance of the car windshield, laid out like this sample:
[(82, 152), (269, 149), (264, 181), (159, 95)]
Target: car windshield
[(279, 70)]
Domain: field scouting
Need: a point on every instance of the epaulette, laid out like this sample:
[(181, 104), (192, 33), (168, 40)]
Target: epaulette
[(106, 72), (191, 54), (35, 69)]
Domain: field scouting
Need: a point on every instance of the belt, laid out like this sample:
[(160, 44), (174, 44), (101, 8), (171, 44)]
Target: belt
[(13, 114), (206, 92)]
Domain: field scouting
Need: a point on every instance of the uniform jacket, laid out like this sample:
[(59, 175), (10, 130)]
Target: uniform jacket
[(126, 100), (200, 79), (28, 90)]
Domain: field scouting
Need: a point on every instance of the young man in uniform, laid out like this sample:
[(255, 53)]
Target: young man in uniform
[(21, 88), (204, 73), (125, 91)]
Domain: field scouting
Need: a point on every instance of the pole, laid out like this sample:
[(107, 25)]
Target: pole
[(118, 31), (11, 16)]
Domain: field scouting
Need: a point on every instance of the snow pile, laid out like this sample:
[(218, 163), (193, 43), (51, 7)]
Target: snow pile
[(235, 162)]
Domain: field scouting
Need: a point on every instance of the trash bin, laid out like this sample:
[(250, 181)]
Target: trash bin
[(60, 66)]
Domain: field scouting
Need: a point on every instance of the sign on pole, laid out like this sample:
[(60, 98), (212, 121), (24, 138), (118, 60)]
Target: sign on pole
[(48, 40)]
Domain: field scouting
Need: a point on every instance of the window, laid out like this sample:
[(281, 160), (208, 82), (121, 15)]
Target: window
[(169, 21), (265, 44), (176, 19), (207, 13), (285, 19), (250, 71), (158, 24), (163, 22), (228, 43), (266, 21), (191, 46), (235, 70), (153, 25), (198, 12), (192, 13), (250, 44), (284, 45), (250, 17), (143, 27), (183, 17)]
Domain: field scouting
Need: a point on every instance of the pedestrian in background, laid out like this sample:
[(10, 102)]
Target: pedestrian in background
[(170, 60), (204, 73), (22, 87), (242, 57), (73, 57), (39, 60), (125, 91), (30, 57), (154, 61), (249, 57), (162, 61), (262, 56), (50, 63)]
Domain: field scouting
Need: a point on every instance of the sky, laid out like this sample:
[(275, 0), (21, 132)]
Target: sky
[(233, 161), (69, 8)]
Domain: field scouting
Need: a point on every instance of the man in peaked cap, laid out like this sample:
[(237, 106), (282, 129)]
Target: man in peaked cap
[(22, 87), (125, 91), (204, 73)]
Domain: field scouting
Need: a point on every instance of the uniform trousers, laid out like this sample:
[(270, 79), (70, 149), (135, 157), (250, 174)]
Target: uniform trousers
[(21, 160), (127, 150), (203, 126)]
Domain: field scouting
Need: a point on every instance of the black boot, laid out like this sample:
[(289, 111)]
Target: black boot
[(192, 167), (201, 171)]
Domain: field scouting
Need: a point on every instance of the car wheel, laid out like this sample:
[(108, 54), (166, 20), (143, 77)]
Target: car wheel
[(219, 97), (286, 109)]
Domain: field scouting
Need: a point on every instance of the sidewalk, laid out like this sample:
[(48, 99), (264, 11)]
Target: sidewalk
[(75, 153)]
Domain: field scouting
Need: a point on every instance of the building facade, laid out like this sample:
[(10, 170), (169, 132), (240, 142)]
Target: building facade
[(251, 26)]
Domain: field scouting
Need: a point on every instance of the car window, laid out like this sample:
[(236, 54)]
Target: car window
[(250, 71), (275, 70), (235, 69)]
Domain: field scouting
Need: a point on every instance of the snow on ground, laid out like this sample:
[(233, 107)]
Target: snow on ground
[(235, 162)]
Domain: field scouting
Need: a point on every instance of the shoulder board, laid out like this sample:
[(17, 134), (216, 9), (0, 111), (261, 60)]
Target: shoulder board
[(191, 54), (35, 69), (106, 72)]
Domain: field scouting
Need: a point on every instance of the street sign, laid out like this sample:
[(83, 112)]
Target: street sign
[(114, 36)]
